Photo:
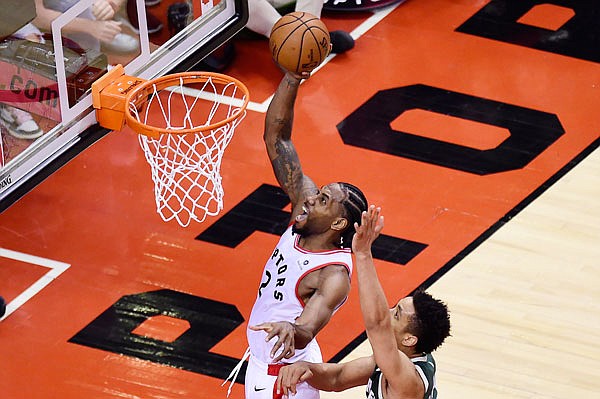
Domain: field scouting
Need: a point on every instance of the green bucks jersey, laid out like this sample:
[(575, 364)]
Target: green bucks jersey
[(425, 366)]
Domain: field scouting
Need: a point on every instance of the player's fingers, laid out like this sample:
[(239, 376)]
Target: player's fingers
[(279, 357), (300, 376), (289, 352), (272, 332), (380, 224), (287, 381), (278, 381), (375, 219), (307, 374), (275, 349), (364, 217), (262, 327)]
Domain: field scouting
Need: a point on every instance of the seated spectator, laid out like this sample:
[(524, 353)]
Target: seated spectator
[(131, 17), (95, 27), (20, 123)]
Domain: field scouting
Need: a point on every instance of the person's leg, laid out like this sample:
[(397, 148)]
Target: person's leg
[(313, 7), (261, 17), (341, 41)]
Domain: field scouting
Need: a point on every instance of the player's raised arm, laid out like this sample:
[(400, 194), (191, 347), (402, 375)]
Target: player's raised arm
[(402, 380), (278, 139)]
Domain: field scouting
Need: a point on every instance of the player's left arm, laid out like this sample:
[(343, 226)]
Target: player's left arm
[(400, 376), (332, 288)]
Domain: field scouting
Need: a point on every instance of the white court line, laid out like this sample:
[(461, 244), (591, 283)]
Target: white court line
[(360, 30), (56, 269)]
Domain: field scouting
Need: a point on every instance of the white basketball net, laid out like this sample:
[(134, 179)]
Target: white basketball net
[(186, 168)]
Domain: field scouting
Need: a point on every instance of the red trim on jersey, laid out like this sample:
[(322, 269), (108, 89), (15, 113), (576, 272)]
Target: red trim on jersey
[(273, 369)]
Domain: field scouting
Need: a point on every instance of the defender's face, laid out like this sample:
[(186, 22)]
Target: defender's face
[(321, 210), (401, 315)]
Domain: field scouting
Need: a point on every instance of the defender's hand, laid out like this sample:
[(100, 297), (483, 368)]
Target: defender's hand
[(371, 225), (291, 375)]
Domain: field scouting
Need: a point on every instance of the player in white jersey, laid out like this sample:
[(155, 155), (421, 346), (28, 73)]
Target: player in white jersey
[(402, 338), (307, 277)]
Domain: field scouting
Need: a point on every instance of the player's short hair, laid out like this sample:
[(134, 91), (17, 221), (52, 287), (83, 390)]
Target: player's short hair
[(431, 322), (354, 205)]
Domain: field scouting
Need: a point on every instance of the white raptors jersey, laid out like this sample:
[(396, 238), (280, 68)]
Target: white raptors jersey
[(278, 298)]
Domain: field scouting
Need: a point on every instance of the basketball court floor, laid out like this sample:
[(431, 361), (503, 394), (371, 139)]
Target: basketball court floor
[(473, 124)]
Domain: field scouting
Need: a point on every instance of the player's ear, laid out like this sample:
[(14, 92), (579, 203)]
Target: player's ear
[(339, 224), (409, 340)]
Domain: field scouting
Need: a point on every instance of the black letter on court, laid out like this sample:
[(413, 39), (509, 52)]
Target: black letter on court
[(210, 322), (262, 211), (579, 37), (531, 131)]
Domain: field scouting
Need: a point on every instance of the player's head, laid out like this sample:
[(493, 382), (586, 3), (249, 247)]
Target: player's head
[(332, 210), (354, 204), (421, 323)]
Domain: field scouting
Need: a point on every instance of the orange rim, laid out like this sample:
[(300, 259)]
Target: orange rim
[(188, 78)]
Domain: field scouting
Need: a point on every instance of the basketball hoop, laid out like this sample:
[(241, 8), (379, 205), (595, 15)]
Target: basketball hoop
[(184, 121)]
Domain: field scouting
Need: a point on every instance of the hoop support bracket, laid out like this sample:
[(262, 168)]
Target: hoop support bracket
[(109, 94)]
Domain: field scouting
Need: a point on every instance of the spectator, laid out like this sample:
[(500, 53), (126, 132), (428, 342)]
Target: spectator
[(95, 27), (18, 122), (153, 23)]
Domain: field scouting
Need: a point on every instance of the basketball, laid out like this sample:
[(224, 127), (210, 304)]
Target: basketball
[(299, 42)]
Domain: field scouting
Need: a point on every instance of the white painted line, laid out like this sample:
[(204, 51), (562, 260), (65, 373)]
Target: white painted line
[(56, 269)]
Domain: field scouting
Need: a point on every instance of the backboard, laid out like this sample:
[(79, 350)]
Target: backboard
[(47, 69)]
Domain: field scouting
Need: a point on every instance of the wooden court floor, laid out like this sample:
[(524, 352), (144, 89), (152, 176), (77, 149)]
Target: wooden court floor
[(472, 123)]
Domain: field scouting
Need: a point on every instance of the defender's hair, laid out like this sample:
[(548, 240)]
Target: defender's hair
[(431, 323), (354, 205)]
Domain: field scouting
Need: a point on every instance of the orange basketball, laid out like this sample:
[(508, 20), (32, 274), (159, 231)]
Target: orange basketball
[(299, 42)]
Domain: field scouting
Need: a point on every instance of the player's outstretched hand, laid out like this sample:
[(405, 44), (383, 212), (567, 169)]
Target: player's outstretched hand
[(291, 375), (284, 331), (370, 226)]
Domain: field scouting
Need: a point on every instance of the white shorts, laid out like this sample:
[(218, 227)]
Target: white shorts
[(260, 385)]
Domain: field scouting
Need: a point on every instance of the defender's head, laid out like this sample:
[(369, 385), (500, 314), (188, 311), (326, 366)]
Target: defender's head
[(421, 323)]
